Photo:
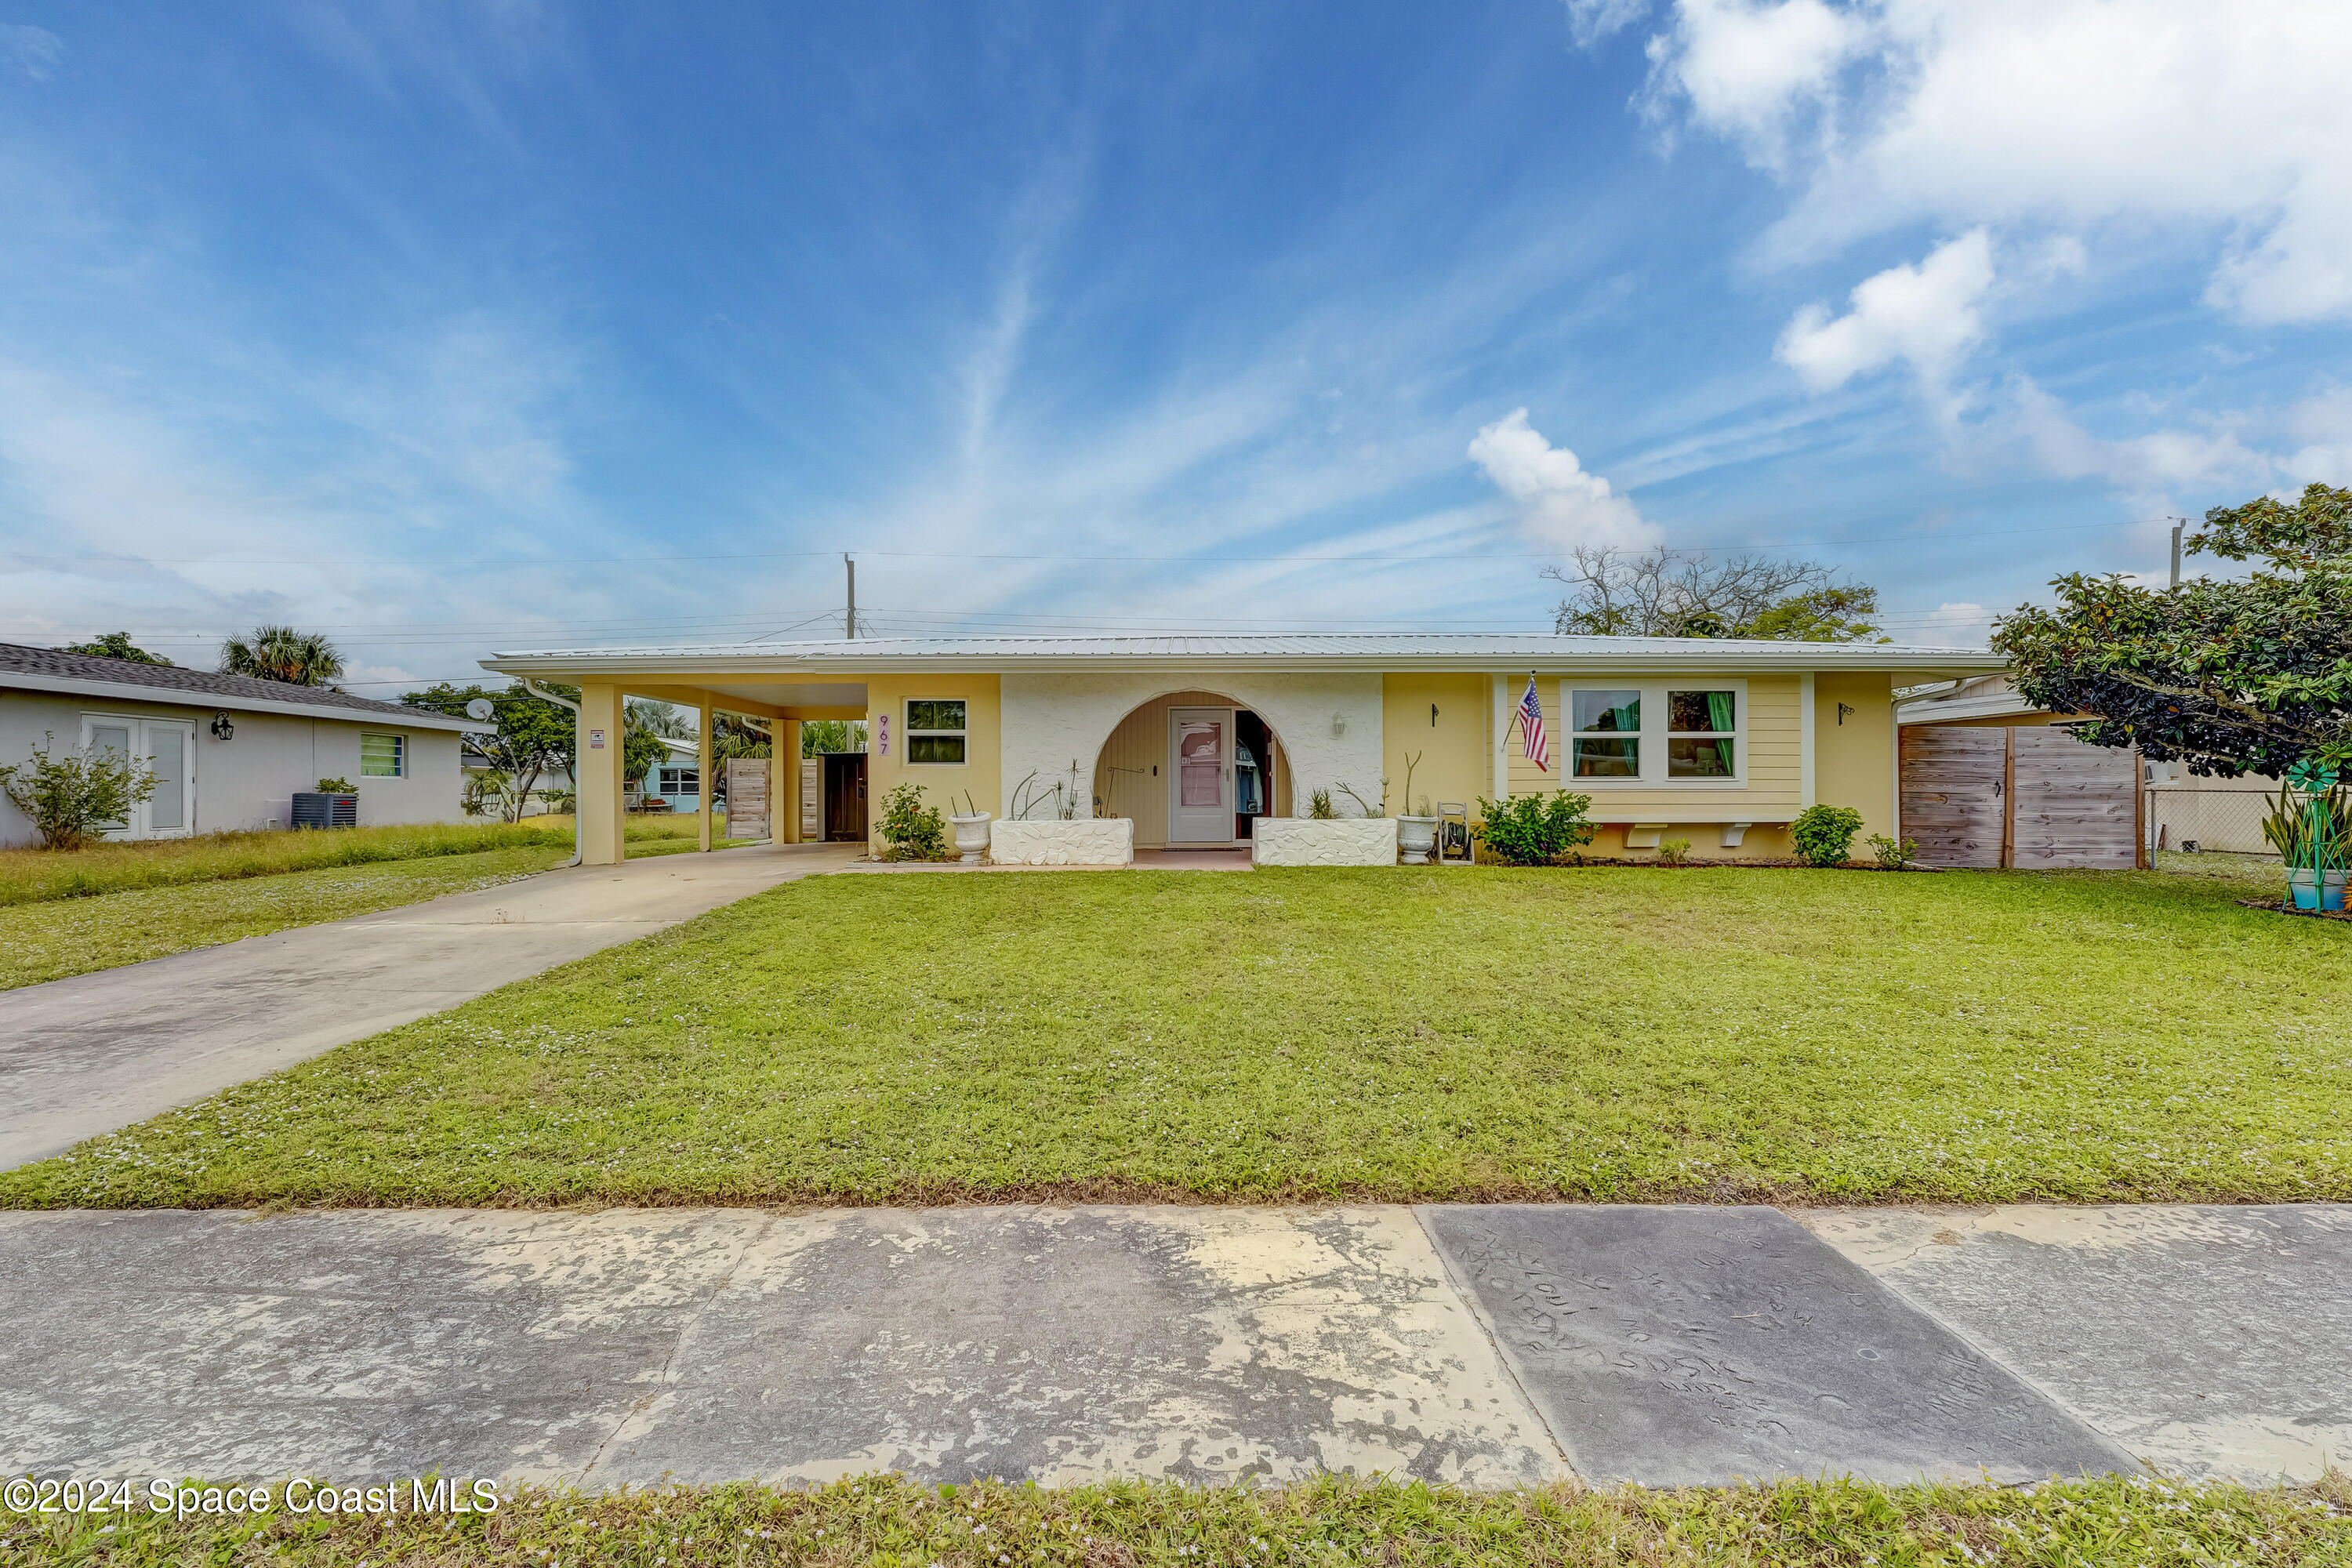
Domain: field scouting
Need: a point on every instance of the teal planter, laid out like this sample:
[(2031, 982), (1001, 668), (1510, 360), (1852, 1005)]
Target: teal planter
[(2309, 889)]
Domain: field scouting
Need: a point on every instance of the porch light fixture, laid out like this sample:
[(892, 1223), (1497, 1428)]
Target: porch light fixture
[(222, 729), (1338, 723)]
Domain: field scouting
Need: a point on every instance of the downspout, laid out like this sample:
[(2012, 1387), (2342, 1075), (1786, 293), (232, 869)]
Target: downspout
[(544, 695)]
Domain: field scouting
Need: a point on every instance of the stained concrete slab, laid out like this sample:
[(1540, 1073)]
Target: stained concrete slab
[(630, 1345), (97, 1052), (174, 1343), (2210, 1340), (1674, 1346), (1065, 1345)]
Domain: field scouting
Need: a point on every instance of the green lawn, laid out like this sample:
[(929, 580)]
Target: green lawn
[(75, 936), (71, 913), (1322, 1523), (1417, 1034)]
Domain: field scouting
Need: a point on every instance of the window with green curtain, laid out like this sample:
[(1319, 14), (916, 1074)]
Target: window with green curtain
[(382, 756), (1702, 739), (934, 731), (1604, 740)]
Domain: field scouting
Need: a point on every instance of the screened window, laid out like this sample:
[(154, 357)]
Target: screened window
[(1702, 734), (382, 756), (1605, 734), (935, 732)]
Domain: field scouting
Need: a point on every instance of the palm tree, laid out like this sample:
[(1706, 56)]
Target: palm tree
[(648, 716), (281, 653)]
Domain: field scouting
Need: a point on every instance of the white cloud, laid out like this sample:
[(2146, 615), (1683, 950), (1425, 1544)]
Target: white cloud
[(2150, 469), (2230, 121), (37, 51), (2324, 425), (1953, 626), (1560, 503), (1590, 21), (1926, 315), (1749, 70)]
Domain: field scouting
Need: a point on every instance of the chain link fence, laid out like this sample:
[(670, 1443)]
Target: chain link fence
[(2215, 818)]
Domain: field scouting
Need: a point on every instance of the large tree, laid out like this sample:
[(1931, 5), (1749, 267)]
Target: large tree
[(282, 653), (114, 645), (525, 737), (2231, 677), (1663, 593)]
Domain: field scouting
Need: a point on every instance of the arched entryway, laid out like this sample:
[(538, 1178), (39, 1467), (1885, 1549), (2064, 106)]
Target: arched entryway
[(1185, 764)]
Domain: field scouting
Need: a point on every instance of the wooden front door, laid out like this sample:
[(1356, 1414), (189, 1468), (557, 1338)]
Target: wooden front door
[(845, 796)]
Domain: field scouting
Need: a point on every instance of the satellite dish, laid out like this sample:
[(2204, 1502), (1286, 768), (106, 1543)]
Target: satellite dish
[(481, 711)]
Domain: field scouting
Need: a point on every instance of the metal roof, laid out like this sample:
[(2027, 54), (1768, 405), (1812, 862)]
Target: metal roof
[(27, 668), (1290, 650)]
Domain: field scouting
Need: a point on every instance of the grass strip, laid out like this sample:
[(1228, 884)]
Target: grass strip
[(1409, 1035), (890, 1522), (52, 941)]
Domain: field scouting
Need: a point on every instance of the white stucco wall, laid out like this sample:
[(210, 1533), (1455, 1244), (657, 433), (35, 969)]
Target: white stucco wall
[(1300, 841), (1050, 721), (1057, 843)]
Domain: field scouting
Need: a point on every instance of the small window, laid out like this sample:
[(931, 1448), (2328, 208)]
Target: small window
[(1606, 734), (1702, 734), (935, 732), (382, 756), (681, 781)]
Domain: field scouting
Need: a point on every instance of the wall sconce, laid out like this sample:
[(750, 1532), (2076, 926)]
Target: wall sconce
[(1844, 708), (1432, 715), (1338, 723), (222, 729)]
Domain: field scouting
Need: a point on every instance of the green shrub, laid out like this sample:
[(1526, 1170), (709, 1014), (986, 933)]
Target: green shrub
[(911, 830), (1318, 806), (71, 798), (1673, 851), (1824, 833), (336, 786), (1895, 856), (1534, 829)]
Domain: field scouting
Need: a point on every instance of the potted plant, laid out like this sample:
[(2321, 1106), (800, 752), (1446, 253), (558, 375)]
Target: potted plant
[(970, 827), (1416, 829), (2310, 826)]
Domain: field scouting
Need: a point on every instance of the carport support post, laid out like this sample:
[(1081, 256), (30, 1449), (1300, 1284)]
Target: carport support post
[(784, 789), (708, 788), (600, 786)]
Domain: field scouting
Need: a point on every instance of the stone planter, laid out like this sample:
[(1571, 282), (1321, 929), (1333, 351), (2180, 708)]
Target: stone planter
[(1416, 836), (970, 837), (2306, 889), (1095, 841), (1302, 841)]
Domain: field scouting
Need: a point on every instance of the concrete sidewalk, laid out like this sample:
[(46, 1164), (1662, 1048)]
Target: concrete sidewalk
[(89, 1055), (1487, 1346)]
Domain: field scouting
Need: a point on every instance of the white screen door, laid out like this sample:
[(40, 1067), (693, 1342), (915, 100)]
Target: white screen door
[(1201, 785)]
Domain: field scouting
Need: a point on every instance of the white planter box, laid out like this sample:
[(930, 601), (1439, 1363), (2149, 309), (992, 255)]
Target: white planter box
[(1302, 841), (1095, 842)]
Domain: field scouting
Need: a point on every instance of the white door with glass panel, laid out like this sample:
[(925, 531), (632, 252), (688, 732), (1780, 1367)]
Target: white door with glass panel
[(168, 748), (1200, 780)]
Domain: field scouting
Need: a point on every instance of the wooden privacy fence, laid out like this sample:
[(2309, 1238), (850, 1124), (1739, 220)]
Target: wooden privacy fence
[(747, 798), (2023, 795)]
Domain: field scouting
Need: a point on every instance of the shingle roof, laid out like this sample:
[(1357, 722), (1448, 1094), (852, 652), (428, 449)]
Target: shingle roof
[(52, 668)]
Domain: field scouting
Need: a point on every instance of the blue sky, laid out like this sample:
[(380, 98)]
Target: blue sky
[(448, 328)]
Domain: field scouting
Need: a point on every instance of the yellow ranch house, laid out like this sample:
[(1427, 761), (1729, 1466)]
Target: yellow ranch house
[(1085, 750)]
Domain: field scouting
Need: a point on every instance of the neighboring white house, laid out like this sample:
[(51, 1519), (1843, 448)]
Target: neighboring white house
[(228, 751)]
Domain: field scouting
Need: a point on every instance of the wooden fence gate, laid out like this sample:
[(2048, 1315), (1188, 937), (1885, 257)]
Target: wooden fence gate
[(747, 798), (2025, 796)]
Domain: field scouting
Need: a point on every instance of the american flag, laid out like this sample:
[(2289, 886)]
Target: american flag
[(1531, 727)]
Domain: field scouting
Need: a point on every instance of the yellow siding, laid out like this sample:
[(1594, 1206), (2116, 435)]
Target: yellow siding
[(982, 774), (1853, 760), (1452, 746), (1775, 758)]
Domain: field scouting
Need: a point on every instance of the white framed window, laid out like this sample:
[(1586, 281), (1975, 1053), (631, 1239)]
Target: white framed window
[(382, 756), (1604, 738), (679, 779), (934, 731), (167, 749), (1684, 734)]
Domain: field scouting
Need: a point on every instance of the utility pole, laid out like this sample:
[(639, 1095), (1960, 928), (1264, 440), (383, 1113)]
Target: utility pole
[(2178, 524), (849, 616)]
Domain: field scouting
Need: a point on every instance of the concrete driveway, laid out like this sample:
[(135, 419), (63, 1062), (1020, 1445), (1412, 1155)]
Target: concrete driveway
[(97, 1052)]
